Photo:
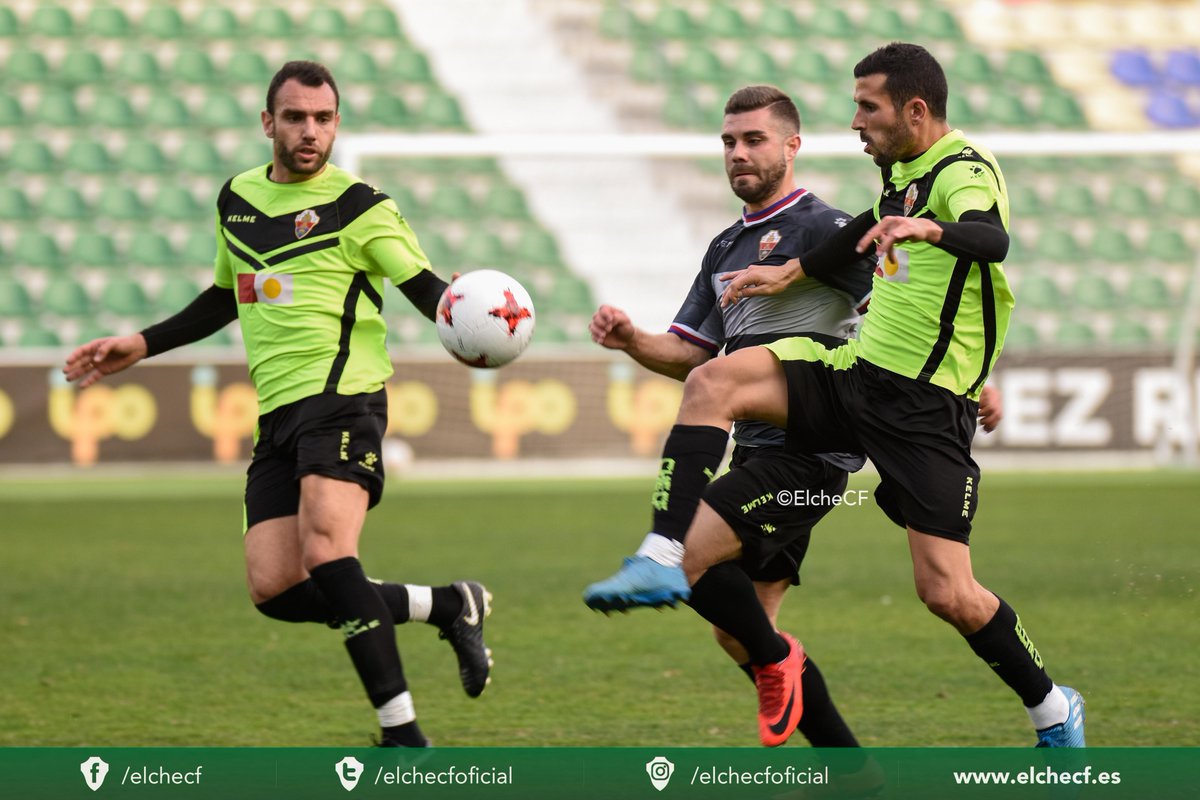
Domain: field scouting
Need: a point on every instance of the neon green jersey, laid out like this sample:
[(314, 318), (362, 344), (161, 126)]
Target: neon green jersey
[(934, 316), (307, 261)]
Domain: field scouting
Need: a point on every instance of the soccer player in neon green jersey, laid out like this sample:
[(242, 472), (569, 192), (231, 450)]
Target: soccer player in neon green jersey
[(303, 251), (905, 392)]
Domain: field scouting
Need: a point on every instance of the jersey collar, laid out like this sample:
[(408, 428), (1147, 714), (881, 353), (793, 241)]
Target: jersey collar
[(777, 207)]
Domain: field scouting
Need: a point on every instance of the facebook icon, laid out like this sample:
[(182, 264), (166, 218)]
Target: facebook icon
[(94, 770)]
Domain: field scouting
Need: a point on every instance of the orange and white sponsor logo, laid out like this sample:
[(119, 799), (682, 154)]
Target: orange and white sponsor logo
[(893, 266), (260, 287)]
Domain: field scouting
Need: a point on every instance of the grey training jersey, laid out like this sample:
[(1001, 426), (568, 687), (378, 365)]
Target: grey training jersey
[(827, 311)]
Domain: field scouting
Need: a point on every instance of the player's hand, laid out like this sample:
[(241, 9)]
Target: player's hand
[(611, 327), (90, 362), (991, 408), (891, 231), (759, 279)]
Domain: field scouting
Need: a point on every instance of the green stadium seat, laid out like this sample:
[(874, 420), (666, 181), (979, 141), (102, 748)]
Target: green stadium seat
[(673, 22), (681, 110), (571, 295), (162, 22), (1023, 199), (166, 110), (647, 64), (14, 204), (195, 66), (855, 197), (92, 329), (505, 201), (112, 109), (1027, 67), (63, 203), (248, 67), (812, 66), (831, 21), (754, 65), (1021, 336), (117, 201), (410, 65), (216, 22), (441, 256), (12, 113), (36, 335), (1113, 246), (779, 21), (143, 156), (66, 297), (960, 112), (1038, 292), (482, 248), (221, 109), (94, 249), (15, 301), (1130, 201), (1074, 333), (388, 110), (199, 248), (149, 248), (1071, 199), (723, 21), (451, 201), (176, 293), (251, 152), (1149, 292), (406, 200), (107, 21), (199, 155), (138, 67), (57, 108), (536, 247), (81, 68), (88, 156), (441, 111), (1060, 109), (1181, 199), (1130, 333), (326, 23), (1058, 246), (700, 65), (176, 203), (1168, 245), (1006, 110), (939, 23), (9, 25), (52, 21), (124, 297), (1094, 293), (378, 22), (886, 23), (31, 156), (26, 66), (271, 22), (356, 66), (618, 22)]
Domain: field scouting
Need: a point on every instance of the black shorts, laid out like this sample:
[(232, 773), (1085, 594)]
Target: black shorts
[(772, 499), (917, 434), (340, 436)]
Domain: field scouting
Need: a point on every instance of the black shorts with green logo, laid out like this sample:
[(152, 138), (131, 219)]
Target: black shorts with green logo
[(918, 435), (339, 436), (772, 499)]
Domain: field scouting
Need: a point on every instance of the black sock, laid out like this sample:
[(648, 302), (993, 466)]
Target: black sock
[(447, 603), (406, 735), (367, 626), (690, 457), (1004, 646), (821, 723), (725, 596), (303, 602)]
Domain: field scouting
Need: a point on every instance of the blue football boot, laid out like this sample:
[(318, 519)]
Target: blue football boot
[(641, 581)]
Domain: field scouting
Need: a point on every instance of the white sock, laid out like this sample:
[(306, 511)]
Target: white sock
[(1051, 711), (420, 602), (396, 711), (657, 547)]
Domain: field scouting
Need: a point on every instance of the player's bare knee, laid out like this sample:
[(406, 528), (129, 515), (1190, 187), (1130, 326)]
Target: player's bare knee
[(707, 386), (724, 639), (942, 601)]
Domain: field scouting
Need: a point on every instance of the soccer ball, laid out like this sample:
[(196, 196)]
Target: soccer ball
[(485, 318)]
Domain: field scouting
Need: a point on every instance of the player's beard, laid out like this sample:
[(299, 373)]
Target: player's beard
[(769, 179), (892, 144), (288, 159)]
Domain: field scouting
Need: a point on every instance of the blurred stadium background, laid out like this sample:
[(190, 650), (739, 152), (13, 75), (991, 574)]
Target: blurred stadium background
[(573, 145)]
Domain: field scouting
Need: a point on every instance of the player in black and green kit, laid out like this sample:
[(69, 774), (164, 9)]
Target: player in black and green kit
[(303, 251), (905, 392)]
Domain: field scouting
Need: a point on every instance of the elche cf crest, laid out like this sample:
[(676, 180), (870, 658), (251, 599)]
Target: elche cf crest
[(910, 199), (767, 243), (306, 220)]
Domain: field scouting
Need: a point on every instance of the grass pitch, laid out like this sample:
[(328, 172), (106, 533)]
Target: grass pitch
[(124, 619)]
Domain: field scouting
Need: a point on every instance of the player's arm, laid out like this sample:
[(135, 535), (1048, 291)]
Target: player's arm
[(664, 353), (424, 290), (991, 408), (212, 310), (823, 262), (977, 235), (391, 249)]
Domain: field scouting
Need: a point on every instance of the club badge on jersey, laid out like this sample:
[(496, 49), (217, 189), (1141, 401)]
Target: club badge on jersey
[(910, 199), (767, 243), (306, 220)]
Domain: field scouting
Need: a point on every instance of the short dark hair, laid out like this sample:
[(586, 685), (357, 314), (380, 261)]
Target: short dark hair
[(752, 98), (309, 73), (909, 71)]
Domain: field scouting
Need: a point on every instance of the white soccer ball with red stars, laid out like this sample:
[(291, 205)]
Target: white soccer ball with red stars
[(485, 318)]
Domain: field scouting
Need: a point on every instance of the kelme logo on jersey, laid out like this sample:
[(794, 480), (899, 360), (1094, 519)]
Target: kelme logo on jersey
[(306, 220), (893, 266), (767, 243), (264, 288), (910, 199)]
